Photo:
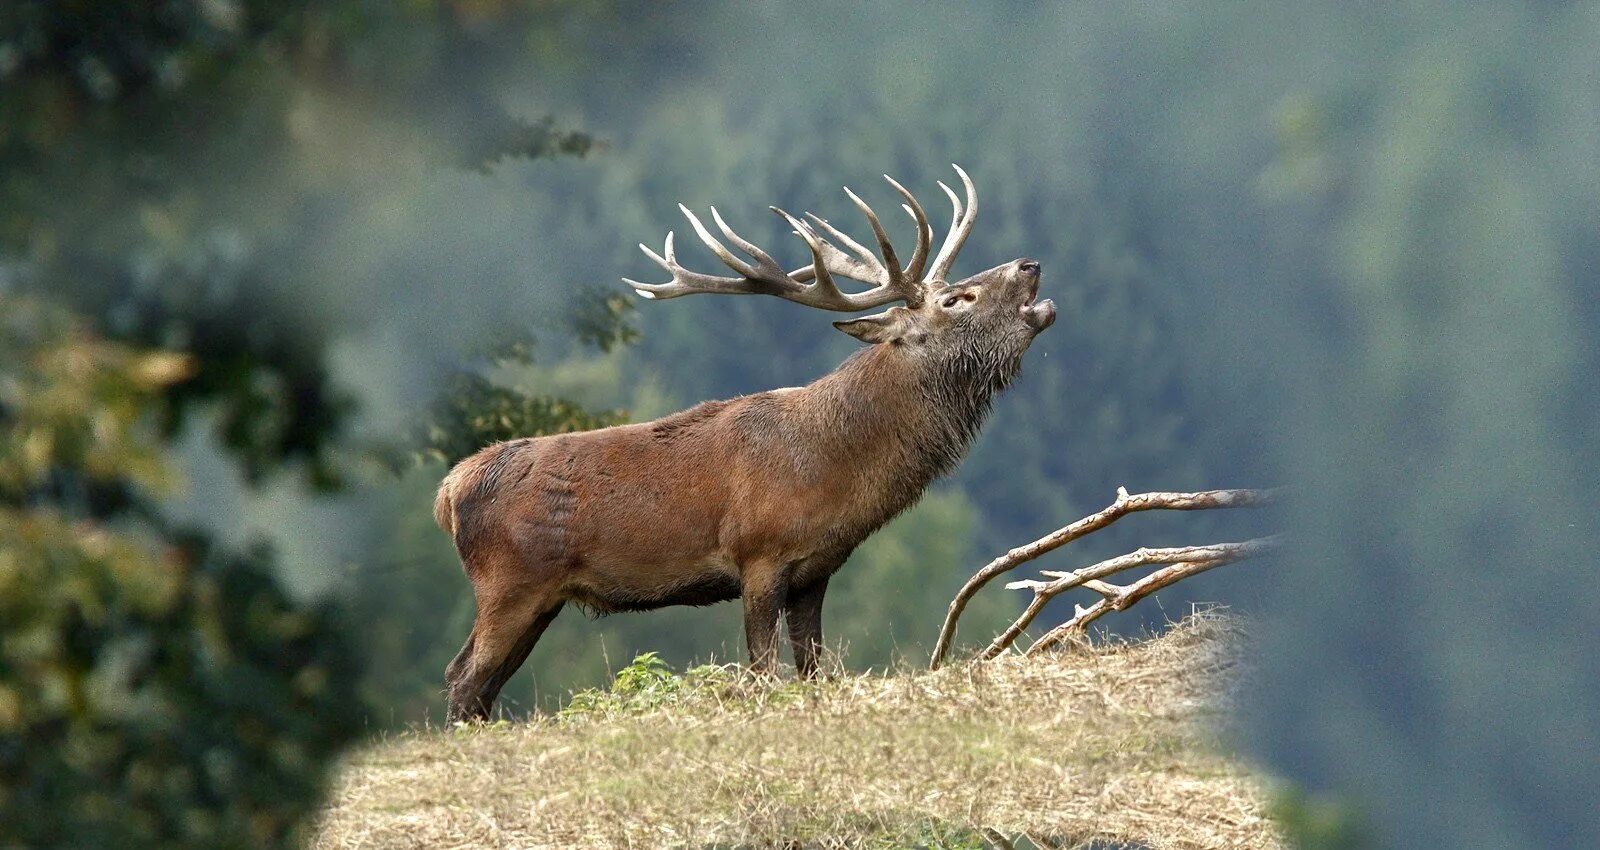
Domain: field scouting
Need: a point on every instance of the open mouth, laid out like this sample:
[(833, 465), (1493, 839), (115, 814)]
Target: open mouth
[(1038, 315)]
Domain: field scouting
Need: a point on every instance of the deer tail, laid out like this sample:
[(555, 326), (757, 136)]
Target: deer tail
[(444, 509)]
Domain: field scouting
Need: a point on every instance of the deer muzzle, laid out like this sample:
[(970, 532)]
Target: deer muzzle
[(1039, 316)]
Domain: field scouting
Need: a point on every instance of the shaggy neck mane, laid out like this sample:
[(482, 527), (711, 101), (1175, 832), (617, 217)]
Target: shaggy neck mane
[(916, 411)]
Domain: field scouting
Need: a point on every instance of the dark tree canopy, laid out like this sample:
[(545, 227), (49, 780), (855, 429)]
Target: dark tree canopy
[(151, 159), (159, 686)]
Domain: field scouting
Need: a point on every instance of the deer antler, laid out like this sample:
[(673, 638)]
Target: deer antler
[(814, 285)]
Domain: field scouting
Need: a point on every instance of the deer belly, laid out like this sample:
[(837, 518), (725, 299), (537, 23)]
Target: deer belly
[(645, 586)]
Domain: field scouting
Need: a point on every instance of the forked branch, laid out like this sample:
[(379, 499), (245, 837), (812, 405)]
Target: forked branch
[(1121, 597), (1123, 505), (1185, 561)]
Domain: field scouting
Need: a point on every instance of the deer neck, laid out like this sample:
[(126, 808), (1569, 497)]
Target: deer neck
[(899, 416)]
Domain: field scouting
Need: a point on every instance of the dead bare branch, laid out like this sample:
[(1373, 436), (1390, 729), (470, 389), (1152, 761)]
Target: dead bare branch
[(1122, 506), (1044, 591), (1121, 597)]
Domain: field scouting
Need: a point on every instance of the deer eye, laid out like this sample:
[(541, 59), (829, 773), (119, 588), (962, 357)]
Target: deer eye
[(955, 298)]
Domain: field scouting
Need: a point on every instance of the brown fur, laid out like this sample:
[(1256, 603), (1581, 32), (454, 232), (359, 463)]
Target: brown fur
[(760, 497)]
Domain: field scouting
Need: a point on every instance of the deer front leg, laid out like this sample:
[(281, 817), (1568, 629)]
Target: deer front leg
[(765, 591), (804, 614)]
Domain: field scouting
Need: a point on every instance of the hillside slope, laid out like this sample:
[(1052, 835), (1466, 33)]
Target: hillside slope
[(1105, 743)]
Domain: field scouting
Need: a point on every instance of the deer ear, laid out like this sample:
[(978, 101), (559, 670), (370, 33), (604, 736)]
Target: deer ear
[(883, 327)]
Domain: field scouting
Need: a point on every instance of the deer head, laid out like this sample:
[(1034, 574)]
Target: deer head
[(989, 317)]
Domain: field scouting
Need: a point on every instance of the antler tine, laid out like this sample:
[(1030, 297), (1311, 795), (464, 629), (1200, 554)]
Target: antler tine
[(866, 268), (893, 275), (960, 227), (824, 287), (658, 290), (927, 229), (765, 277), (919, 256), (743, 268), (685, 282), (911, 290), (762, 257), (824, 292), (955, 225)]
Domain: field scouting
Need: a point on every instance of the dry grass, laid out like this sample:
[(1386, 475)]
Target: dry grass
[(1107, 743)]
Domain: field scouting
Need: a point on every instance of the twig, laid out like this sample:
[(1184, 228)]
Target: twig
[(1117, 598), (1044, 591), (1121, 597), (1125, 504)]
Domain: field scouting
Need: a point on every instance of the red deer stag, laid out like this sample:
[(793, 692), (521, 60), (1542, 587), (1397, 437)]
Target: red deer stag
[(760, 497)]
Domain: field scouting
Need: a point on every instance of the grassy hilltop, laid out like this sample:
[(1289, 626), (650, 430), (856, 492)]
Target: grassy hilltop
[(1111, 743)]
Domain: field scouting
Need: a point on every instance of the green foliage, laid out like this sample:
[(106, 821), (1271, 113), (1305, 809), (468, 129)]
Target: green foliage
[(74, 406), (647, 683), (474, 412), (647, 679), (601, 319), (520, 140), (163, 169), (1316, 823), (145, 702), (154, 690), (89, 52)]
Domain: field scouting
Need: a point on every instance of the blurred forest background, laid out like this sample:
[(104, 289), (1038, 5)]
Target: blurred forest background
[(257, 257)]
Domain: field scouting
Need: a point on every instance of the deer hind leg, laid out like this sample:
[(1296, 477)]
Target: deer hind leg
[(459, 663), (504, 633)]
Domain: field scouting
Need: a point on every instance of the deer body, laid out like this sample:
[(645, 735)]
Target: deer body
[(760, 497)]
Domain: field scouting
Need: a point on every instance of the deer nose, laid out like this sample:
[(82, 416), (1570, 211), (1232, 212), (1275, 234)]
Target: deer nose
[(1028, 266)]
